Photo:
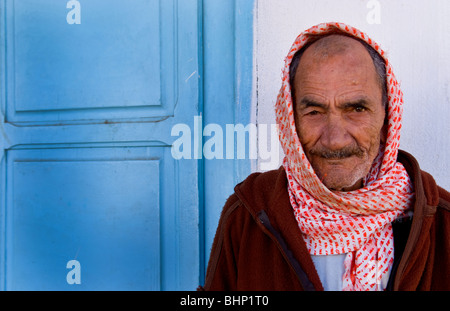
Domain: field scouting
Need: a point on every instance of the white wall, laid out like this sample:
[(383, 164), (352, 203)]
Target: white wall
[(414, 33)]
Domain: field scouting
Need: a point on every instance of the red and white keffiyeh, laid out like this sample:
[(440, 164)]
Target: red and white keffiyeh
[(357, 222)]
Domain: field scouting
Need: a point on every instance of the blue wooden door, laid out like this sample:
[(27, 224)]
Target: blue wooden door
[(91, 197)]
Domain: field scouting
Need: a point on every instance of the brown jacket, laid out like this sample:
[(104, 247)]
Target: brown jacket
[(259, 246)]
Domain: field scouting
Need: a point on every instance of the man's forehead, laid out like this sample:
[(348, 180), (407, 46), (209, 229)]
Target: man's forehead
[(335, 44), (339, 50), (338, 65)]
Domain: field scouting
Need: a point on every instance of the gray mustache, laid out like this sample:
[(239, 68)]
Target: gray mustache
[(338, 154)]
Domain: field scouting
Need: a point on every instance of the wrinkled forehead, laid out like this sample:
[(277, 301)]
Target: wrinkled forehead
[(341, 50), (355, 52), (322, 47)]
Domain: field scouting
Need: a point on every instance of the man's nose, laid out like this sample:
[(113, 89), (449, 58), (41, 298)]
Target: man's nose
[(335, 135)]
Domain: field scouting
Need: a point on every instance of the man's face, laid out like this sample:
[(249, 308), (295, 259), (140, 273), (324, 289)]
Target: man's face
[(339, 114)]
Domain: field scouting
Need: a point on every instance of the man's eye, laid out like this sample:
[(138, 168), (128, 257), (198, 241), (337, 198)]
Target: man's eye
[(360, 109), (312, 113)]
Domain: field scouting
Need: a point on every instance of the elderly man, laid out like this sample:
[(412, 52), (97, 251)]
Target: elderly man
[(347, 210)]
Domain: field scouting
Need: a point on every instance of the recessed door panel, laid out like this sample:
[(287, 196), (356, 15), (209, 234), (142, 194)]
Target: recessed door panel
[(101, 207), (112, 65)]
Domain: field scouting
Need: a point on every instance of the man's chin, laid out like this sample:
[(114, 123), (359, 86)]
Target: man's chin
[(341, 174), (341, 182)]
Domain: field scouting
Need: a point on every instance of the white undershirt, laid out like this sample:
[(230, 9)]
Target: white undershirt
[(331, 270)]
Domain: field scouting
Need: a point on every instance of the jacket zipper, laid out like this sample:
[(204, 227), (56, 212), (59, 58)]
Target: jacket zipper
[(287, 254)]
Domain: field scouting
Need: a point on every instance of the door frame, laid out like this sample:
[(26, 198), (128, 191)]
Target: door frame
[(226, 92)]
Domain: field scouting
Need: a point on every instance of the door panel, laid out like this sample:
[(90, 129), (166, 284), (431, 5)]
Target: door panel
[(117, 64), (100, 206)]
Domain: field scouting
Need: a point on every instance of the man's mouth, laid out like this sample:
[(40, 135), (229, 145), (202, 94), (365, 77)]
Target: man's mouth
[(340, 154)]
